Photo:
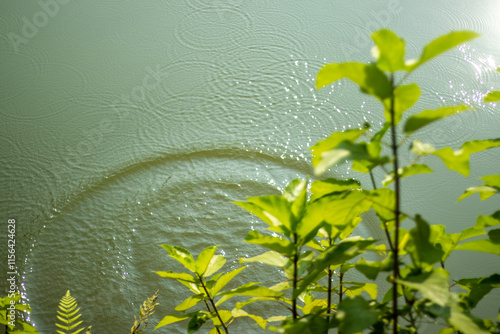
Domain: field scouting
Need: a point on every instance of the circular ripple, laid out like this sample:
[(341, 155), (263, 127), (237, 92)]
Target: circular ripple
[(208, 29)]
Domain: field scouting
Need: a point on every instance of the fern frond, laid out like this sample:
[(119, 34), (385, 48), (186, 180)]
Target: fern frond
[(68, 315), (145, 311)]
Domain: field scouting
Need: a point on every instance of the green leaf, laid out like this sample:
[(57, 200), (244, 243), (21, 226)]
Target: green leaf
[(224, 279), (488, 189), (492, 97), (296, 193), (354, 289), (483, 245), (215, 264), (405, 172), (433, 285), (277, 244), (331, 143), (370, 79), (422, 252), (172, 318), (252, 291), (178, 276), (337, 210), (321, 188), (389, 51), (197, 320), (456, 160), (404, 98), (371, 269), (334, 255), (271, 258), (355, 314), (204, 259), (383, 202), (182, 255), (237, 313), (440, 45), (426, 117), (190, 302), (478, 288)]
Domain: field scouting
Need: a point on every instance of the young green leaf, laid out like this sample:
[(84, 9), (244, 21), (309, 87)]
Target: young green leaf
[(252, 291), (488, 189), (405, 172), (483, 245), (370, 79), (426, 117), (492, 97), (172, 318), (224, 279), (277, 244), (190, 302), (321, 188), (178, 276), (433, 285), (389, 51), (271, 258), (182, 255), (456, 160), (214, 265), (282, 209), (440, 45), (204, 259), (404, 98)]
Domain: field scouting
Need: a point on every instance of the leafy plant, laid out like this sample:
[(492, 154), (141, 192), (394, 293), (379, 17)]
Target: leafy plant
[(323, 220), (145, 312), (206, 286), (69, 315), (10, 315)]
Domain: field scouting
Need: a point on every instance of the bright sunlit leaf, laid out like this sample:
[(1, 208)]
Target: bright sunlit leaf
[(420, 120), (389, 51)]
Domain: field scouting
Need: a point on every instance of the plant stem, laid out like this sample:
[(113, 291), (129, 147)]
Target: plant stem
[(341, 287), (391, 247), (329, 302), (396, 212), (213, 305), (295, 272)]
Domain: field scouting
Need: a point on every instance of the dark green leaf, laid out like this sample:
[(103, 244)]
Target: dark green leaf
[(197, 320), (355, 314), (440, 45), (370, 79), (478, 288), (371, 269), (334, 255), (420, 120), (423, 253)]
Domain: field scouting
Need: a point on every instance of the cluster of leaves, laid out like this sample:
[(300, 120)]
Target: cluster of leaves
[(145, 312), (69, 315), (12, 317), (310, 234)]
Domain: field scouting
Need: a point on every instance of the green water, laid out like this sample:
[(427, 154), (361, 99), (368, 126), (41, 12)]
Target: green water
[(130, 124)]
